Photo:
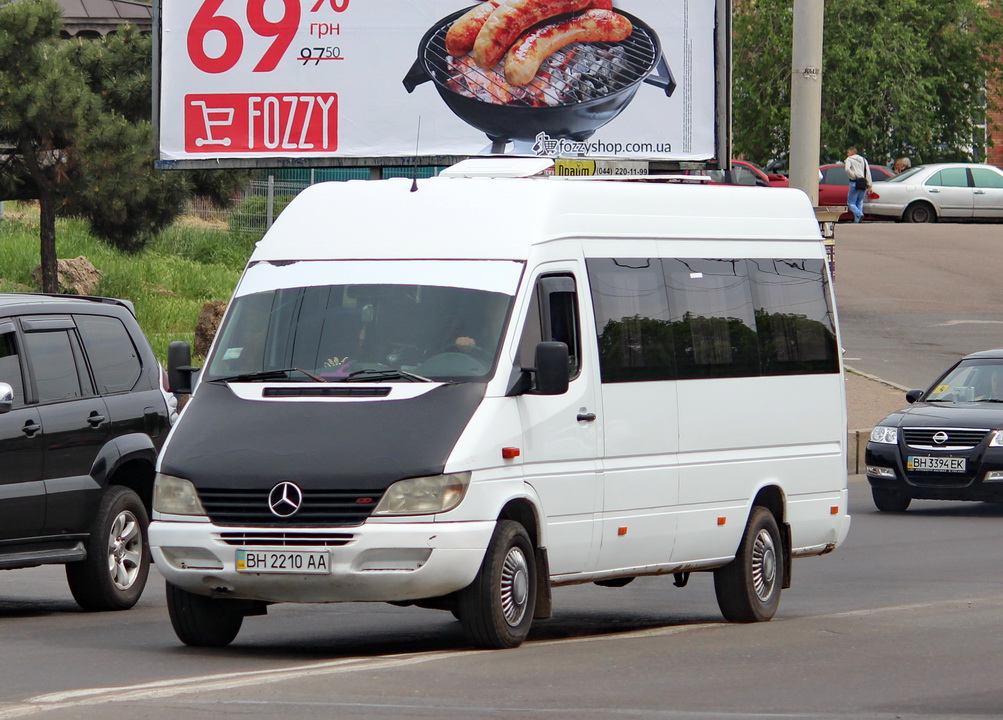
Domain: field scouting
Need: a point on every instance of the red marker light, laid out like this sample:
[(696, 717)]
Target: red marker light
[(510, 452)]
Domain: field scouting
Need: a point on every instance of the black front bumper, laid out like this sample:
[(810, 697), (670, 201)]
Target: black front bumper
[(925, 485)]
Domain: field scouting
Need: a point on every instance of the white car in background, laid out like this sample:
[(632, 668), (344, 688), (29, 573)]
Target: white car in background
[(948, 191)]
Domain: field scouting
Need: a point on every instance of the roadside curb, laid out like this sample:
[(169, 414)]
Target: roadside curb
[(856, 440)]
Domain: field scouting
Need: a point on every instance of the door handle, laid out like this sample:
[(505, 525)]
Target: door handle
[(30, 428), (95, 419), (586, 417)]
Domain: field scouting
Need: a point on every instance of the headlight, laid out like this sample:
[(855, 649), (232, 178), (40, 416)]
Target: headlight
[(997, 439), (424, 495), (176, 496), (885, 435)]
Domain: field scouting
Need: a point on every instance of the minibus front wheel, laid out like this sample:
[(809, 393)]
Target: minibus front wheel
[(497, 608), (748, 588), (202, 621)]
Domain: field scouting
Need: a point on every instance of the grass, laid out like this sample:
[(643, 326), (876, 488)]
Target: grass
[(184, 267)]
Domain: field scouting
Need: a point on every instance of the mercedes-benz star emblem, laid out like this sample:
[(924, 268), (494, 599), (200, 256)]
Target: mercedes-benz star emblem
[(285, 499), (940, 438)]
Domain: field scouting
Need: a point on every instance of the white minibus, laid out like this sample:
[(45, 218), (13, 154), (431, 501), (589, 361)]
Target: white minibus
[(464, 391)]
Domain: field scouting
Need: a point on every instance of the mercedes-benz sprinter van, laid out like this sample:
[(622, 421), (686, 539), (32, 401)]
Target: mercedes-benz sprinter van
[(463, 392)]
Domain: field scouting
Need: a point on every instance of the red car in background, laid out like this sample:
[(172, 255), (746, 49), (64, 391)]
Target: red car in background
[(834, 185), (744, 172)]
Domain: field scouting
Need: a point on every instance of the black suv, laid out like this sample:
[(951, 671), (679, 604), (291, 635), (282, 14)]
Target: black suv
[(83, 413)]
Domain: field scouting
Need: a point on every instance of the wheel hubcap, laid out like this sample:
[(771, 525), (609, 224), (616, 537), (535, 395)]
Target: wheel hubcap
[(125, 550), (514, 586), (764, 565)]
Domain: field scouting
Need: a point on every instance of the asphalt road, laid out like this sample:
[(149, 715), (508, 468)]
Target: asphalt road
[(913, 299), (901, 622)]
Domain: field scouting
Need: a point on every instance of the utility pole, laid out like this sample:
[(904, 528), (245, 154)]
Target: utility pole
[(806, 96)]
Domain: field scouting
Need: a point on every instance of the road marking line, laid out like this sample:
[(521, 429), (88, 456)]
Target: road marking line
[(226, 681)]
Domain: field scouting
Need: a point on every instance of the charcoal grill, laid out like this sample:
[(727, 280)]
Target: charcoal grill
[(578, 89)]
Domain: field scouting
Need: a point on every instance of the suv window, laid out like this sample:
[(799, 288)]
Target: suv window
[(113, 357), (10, 366), (51, 355)]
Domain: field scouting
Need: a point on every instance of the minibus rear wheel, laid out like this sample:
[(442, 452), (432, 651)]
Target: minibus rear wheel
[(201, 621), (497, 608), (748, 588)]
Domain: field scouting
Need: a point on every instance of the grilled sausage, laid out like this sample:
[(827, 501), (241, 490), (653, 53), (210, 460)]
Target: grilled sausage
[(510, 20), (529, 52), (462, 33)]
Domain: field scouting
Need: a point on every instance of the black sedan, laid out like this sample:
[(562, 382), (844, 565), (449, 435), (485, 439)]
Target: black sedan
[(948, 444)]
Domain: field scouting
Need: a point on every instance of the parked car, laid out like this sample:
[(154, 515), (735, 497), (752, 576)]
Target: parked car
[(948, 444), (834, 185), (949, 191), (83, 413), (744, 172)]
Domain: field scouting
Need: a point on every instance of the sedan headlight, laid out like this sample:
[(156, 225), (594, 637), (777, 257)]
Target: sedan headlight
[(997, 439), (424, 495), (176, 496), (885, 435)]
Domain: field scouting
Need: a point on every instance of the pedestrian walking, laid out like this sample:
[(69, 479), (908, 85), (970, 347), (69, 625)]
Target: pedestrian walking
[(858, 172)]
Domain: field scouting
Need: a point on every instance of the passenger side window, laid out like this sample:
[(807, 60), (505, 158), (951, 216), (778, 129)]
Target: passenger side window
[(985, 178), (553, 316), (52, 361), (681, 319), (10, 366), (632, 320), (713, 319), (949, 177), (112, 354), (797, 334)]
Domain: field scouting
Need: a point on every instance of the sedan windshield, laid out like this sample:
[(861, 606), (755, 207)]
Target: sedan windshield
[(970, 381), (391, 331)]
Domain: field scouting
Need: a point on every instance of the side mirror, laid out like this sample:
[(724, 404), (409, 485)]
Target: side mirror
[(551, 368), (179, 366), (6, 397), (913, 395)]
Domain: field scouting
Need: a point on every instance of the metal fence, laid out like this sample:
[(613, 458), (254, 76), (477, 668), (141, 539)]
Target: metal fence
[(259, 203)]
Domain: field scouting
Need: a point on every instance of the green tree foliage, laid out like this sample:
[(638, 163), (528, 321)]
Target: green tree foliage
[(899, 77), (76, 133)]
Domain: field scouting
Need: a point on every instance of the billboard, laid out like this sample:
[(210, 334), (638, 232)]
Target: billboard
[(267, 82)]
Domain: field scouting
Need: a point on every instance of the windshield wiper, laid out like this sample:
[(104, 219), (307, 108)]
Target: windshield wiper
[(268, 375), (996, 400), (377, 374)]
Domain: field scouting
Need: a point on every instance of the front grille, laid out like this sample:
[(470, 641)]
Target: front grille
[(957, 438), (320, 508), (286, 539)]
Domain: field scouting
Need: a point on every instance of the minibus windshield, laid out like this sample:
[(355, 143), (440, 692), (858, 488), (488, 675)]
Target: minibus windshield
[(365, 331)]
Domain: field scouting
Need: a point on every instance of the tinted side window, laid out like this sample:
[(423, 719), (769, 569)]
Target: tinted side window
[(10, 366), (112, 354), (985, 178), (836, 176), (713, 322), (553, 315), (949, 177), (632, 320), (797, 334), (52, 363)]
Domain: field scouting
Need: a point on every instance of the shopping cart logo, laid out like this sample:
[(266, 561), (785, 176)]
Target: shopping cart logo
[(260, 123)]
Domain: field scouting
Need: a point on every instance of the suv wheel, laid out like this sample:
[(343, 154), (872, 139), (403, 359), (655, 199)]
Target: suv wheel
[(118, 554)]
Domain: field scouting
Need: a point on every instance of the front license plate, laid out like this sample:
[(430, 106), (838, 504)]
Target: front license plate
[(293, 562), (936, 464)]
